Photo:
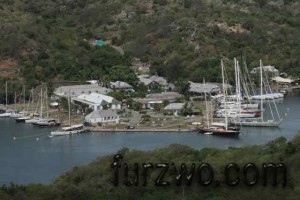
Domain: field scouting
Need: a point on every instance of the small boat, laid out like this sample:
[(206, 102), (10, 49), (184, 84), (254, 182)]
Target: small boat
[(79, 128), (257, 123), (46, 123), (6, 114), (22, 119), (33, 120)]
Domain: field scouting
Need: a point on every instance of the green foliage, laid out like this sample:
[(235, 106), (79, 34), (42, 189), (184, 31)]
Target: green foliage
[(146, 118), (119, 95), (183, 39), (160, 2), (123, 73)]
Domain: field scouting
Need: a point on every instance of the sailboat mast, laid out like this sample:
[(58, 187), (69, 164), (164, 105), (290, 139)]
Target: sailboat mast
[(41, 102), (6, 94), (239, 87), (24, 97), (261, 91), (69, 102), (46, 96), (15, 101), (224, 93), (206, 107)]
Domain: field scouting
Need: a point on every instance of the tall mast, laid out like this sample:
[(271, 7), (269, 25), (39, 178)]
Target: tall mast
[(239, 86), (224, 92), (46, 96), (41, 102), (261, 91), (206, 107), (24, 97), (6, 94), (69, 102), (15, 101)]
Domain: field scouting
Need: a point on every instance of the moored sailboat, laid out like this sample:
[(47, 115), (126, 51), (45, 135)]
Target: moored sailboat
[(71, 129), (221, 129), (260, 121), (7, 112)]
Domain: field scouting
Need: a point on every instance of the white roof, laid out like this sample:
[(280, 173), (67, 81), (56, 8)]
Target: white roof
[(76, 90), (282, 80), (147, 80), (204, 88), (94, 98), (92, 81), (120, 85), (266, 69), (174, 106)]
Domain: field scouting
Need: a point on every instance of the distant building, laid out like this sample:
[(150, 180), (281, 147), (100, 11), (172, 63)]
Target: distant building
[(119, 85), (156, 82), (281, 80), (93, 82), (157, 98), (97, 101), (104, 117), (174, 108), (202, 89), (76, 90), (271, 69)]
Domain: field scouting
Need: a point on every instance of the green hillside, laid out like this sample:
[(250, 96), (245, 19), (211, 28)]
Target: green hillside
[(182, 39)]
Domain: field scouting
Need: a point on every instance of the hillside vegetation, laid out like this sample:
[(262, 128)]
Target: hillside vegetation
[(45, 40), (95, 181)]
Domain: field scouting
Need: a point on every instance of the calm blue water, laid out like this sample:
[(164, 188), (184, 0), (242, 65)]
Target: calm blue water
[(27, 160)]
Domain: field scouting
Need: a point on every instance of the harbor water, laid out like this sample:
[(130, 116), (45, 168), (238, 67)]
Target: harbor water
[(29, 155)]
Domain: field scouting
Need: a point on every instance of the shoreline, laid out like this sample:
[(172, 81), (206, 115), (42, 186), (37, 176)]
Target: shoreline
[(100, 130)]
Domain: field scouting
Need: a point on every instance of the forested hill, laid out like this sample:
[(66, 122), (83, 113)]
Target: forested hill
[(46, 40)]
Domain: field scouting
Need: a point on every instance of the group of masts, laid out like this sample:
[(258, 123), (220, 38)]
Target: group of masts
[(242, 109)]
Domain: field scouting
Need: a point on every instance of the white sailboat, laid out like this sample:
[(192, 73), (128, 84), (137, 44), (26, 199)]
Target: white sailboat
[(37, 117), (71, 129), (260, 122), (7, 112)]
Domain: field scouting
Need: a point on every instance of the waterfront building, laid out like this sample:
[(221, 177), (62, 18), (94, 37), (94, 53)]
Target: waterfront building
[(97, 101), (104, 117)]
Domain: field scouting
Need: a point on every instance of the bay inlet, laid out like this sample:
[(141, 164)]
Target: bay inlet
[(29, 155)]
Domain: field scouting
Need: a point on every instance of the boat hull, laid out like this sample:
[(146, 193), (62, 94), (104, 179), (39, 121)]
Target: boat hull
[(257, 124), (221, 132), (22, 120), (62, 133)]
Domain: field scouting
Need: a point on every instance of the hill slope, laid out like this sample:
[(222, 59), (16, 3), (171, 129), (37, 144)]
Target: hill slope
[(182, 39)]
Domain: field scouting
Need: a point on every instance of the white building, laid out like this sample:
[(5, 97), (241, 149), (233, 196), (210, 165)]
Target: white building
[(174, 108), (120, 85), (97, 101), (271, 69), (104, 117), (154, 81), (76, 90)]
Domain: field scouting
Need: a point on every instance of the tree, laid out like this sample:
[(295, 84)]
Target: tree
[(123, 73)]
